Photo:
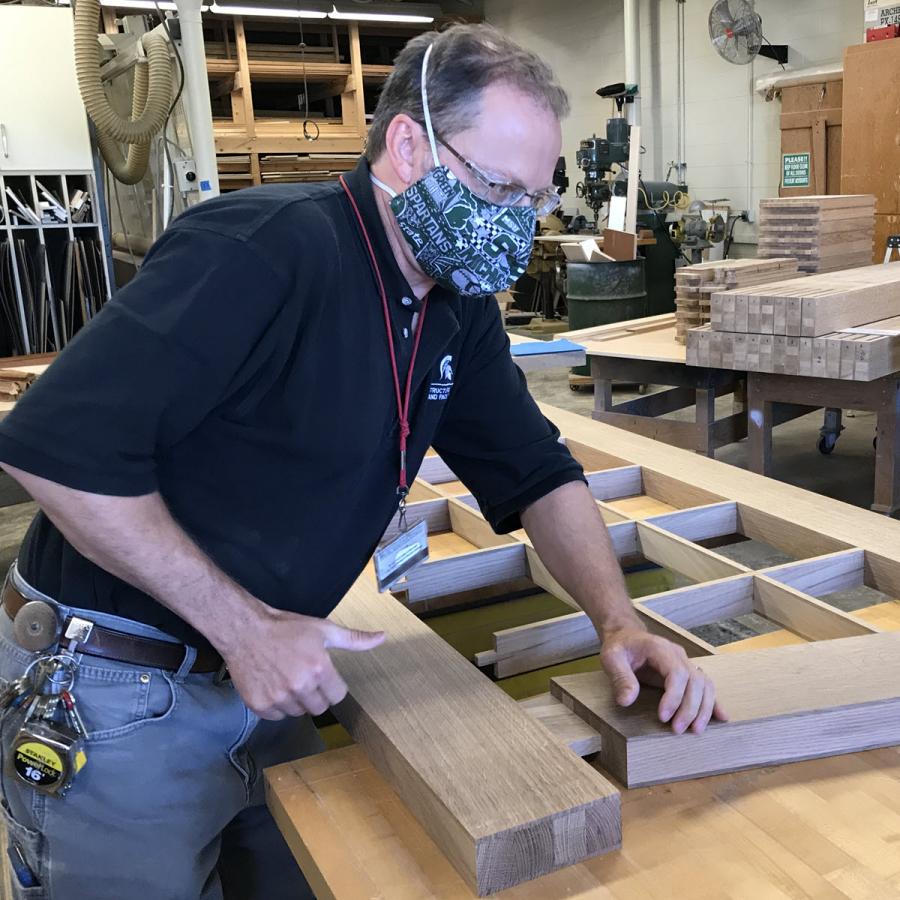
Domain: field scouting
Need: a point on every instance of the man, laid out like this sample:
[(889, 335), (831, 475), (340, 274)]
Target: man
[(218, 453)]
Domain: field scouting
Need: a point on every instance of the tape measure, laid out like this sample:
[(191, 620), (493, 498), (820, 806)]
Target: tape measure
[(46, 757)]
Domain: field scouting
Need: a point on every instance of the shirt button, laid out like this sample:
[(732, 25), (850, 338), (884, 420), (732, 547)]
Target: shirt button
[(407, 301), (406, 332)]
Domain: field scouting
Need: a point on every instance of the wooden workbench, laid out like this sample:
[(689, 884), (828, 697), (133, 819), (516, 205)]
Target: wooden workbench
[(773, 399), (820, 829), (823, 829), (644, 351)]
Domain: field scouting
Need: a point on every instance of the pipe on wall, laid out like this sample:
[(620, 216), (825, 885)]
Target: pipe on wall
[(196, 98), (633, 57)]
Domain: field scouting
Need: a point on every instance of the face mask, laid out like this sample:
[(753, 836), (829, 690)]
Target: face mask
[(461, 241)]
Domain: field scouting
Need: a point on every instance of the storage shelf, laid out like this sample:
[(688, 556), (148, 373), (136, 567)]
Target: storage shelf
[(274, 70)]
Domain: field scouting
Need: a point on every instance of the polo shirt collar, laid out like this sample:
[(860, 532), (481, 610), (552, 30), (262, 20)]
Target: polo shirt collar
[(363, 191)]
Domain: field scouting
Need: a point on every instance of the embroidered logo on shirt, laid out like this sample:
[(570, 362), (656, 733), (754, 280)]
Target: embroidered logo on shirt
[(440, 390)]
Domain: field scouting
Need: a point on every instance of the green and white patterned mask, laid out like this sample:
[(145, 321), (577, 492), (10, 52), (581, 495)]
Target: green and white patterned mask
[(460, 240)]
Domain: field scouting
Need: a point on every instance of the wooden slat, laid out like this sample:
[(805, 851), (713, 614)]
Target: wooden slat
[(453, 575), (785, 704), (562, 723), (804, 615), (673, 552), (501, 798)]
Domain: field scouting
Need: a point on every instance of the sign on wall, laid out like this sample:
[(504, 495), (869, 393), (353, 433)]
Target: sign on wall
[(795, 170)]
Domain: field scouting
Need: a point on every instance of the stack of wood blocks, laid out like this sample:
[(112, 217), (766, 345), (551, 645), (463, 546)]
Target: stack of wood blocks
[(824, 233), (694, 285), (14, 382), (807, 327)]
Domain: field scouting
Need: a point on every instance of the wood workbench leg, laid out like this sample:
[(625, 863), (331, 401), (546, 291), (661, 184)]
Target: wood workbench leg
[(602, 388), (705, 421), (759, 428), (887, 485), (739, 396), (602, 395)]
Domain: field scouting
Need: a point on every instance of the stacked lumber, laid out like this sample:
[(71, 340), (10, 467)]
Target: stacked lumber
[(807, 327), (694, 285), (824, 233), (15, 381)]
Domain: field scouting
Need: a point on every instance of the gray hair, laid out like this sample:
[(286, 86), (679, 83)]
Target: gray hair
[(464, 61)]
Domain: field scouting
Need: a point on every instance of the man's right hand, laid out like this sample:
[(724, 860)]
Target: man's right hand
[(282, 666)]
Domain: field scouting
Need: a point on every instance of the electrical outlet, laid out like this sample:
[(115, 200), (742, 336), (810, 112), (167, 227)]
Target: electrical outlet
[(747, 215)]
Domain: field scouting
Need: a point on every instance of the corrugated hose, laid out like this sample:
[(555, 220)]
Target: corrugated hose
[(151, 98)]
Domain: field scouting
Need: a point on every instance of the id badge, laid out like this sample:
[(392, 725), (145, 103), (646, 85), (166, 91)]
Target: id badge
[(394, 560)]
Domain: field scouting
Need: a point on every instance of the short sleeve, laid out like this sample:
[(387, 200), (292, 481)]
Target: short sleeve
[(149, 368), (494, 437)]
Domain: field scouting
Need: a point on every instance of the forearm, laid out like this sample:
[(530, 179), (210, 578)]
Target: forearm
[(571, 538), (136, 539)]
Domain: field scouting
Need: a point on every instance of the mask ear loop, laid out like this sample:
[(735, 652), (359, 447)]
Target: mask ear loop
[(425, 111)]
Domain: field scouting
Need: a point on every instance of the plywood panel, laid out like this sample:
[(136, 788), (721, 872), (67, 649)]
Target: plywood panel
[(503, 799), (785, 704), (870, 155)]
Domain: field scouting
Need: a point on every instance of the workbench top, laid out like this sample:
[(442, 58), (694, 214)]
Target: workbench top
[(825, 829), (651, 339)]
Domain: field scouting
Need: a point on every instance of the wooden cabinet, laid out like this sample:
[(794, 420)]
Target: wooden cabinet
[(43, 125), (870, 152)]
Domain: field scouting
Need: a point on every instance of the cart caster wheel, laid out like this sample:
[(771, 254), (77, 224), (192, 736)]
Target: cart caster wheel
[(826, 444)]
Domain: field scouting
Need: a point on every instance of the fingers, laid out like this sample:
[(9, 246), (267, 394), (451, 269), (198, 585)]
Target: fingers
[(338, 638), (332, 686), (707, 705), (618, 669), (676, 681), (719, 713)]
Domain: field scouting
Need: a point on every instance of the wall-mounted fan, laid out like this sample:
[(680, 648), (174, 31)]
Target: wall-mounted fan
[(735, 29)]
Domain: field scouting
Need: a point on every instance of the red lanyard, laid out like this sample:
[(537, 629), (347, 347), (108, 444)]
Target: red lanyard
[(402, 402)]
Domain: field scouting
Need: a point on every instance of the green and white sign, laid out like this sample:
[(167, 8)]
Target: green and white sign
[(795, 170)]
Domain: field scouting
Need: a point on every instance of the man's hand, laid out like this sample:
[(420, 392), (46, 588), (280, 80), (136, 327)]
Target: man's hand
[(631, 656), (283, 668)]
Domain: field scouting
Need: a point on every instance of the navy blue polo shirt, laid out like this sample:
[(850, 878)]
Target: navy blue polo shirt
[(244, 375)]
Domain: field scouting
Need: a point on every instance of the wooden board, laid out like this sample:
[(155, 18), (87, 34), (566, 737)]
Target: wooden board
[(822, 829), (863, 353), (871, 150), (620, 245), (793, 226), (694, 285), (785, 703), (504, 801)]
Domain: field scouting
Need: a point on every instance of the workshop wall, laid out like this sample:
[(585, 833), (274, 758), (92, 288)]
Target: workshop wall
[(732, 134)]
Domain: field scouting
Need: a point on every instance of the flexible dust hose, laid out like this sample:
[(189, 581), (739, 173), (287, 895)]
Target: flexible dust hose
[(129, 169), (153, 84)]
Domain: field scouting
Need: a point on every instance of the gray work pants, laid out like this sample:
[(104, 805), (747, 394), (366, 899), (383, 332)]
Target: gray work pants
[(170, 805)]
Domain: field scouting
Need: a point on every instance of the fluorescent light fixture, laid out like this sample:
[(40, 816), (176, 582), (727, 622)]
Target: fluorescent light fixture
[(138, 4), (282, 12), (415, 13)]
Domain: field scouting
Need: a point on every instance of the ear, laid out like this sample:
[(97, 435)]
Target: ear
[(402, 148)]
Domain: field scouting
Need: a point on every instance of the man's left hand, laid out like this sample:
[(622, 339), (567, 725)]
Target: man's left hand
[(632, 657)]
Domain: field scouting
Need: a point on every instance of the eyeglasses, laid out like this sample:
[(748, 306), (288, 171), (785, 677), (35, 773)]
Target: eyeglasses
[(505, 193)]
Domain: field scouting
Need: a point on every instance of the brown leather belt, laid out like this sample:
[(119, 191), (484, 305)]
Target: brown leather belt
[(128, 648)]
